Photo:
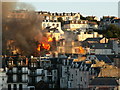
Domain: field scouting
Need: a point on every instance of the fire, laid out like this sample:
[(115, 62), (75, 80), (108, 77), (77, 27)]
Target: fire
[(38, 48), (50, 39), (45, 44), (82, 51)]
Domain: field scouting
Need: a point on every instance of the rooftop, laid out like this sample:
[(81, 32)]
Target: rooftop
[(104, 81)]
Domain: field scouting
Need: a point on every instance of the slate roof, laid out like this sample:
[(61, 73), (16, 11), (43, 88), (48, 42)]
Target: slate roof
[(100, 46), (104, 81), (116, 21), (105, 58), (93, 39)]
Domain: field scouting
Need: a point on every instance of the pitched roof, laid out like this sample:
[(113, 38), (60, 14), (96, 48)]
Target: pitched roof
[(105, 58), (104, 81), (100, 46), (93, 39)]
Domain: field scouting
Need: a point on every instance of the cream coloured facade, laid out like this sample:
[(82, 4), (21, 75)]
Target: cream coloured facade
[(54, 16), (57, 35), (73, 25), (56, 25), (84, 35), (68, 17)]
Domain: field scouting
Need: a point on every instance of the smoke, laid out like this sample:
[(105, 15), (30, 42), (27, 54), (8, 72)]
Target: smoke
[(7, 7), (25, 31), (69, 36)]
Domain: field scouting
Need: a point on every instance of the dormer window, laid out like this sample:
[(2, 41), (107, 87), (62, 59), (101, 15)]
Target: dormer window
[(53, 24), (57, 25), (105, 45)]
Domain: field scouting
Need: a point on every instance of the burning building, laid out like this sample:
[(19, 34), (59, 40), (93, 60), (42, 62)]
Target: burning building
[(22, 31), (70, 47)]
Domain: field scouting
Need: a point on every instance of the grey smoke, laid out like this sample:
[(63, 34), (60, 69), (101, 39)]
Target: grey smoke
[(25, 32)]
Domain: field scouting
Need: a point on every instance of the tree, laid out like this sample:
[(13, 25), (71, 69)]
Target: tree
[(112, 31)]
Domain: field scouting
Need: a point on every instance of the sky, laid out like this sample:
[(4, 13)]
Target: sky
[(97, 8)]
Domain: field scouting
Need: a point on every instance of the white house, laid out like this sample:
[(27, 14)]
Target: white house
[(84, 35), (3, 79), (73, 25)]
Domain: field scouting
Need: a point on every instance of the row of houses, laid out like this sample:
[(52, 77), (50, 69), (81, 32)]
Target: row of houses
[(64, 71), (83, 59), (72, 21)]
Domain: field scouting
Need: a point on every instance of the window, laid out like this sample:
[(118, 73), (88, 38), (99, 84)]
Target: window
[(44, 25), (53, 24), (45, 17), (14, 87), (77, 50), (76, 72), (81, 78), (70, 84), (57, 25), (72, 75), (20, 86), (9, 87), (19, 78), (3, 79), (48, 25)]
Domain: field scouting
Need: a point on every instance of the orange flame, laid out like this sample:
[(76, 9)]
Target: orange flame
[(50, 39), (38, 48), (82, 51), (45, 44)]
